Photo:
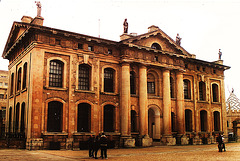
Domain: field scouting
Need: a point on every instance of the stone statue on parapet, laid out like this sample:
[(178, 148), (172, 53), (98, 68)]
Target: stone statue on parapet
[(219, 54), (39, 8), (125, 26), (178, 39)]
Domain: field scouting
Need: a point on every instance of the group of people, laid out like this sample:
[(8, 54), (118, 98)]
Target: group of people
[(98, 142)]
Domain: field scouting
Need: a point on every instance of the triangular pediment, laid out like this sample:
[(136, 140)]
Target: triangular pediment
[(158, 40)]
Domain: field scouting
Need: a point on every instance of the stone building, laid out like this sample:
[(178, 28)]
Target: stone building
[(233, 117), (145, 88), (3, 100)]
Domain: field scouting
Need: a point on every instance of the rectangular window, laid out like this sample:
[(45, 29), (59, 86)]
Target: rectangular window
[(1, 96), (83, 79), (90, 48), (58, 42), (151, 87), (1, 84), (108, 80), (6, 84), (80, 46), (109, 51), (55, 75)]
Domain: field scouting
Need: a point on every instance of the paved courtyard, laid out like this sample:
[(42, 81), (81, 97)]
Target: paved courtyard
[(189, 152)]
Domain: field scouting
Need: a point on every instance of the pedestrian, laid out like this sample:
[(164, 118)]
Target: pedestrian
[(90, 145), (223, 143), (96, 146), (220, 142), (103, 146)]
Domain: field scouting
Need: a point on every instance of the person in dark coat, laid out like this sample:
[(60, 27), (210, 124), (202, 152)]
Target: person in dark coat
[(103, 146), (96, 146), (220, 142), (90, 145)]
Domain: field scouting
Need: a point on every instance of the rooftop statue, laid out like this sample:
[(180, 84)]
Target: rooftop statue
[(39, 8), (219, 54), (125, 26), (178, 39)]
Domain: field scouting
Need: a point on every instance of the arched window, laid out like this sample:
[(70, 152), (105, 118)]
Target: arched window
[(132, 83), (215, 93), (54, 120), (24, 76), (84, 77), (187, 89), (109, 80), (19, 77), (12, 84), (151, 84), (156, 46), (17, 116), (84, 117), (56, 73), (202, 91), (22, 127), (133, 121), (10, 119), (188, 120), (203, 120), (171, 87), (109, 116), (216, 116)]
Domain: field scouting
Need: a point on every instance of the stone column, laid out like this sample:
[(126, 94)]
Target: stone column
[(181, 109), (145, 140), (167, 138), (166, 103), (143, 99), (125, 99), (125, 106)]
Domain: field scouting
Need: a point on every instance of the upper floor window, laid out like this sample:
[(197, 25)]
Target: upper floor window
[(156, 46), (56, 73), (6, 84), (90, 48), (202, 91), (19, 77), (58, 42), (83, 77), (1, 83), (132, 83), (80, 46), (172, 87), (109, 51), (12, 83), (108, 80), (187, 89), (24, 76), (215, 93), (151, 84)]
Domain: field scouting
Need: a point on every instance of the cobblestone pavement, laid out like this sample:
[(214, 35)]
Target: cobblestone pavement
[(189, 152)]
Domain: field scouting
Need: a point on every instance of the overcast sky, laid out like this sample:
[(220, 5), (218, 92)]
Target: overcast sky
[(205, 26)]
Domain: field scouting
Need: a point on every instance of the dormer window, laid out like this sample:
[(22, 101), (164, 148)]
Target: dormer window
[(109, 51), (90, 48), (80, 46), (156, 46)]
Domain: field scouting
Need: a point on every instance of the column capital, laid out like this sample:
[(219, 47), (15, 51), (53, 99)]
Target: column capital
[(125, 63)]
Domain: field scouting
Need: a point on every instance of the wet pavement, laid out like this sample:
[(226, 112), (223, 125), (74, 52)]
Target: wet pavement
[(188, 152)]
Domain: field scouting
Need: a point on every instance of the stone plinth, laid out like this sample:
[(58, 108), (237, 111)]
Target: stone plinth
[(38, 21), (69, 143), (146, 141), (128, 142), (168, 140), (34, 144), (184, 140)]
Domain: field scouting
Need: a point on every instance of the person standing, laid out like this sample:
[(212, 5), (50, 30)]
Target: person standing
[(103, 146), (96, 146), (90, 145), (220, 141)]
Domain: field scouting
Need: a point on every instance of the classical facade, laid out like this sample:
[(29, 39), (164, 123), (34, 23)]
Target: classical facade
[(3, 100), (145, 88), (233, 117)]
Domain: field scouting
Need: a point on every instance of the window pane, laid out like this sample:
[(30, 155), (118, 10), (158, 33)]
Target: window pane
[(55, 75)]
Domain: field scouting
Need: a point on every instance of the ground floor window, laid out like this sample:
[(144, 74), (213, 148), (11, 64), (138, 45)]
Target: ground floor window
[(109, 115), (54, 121), (84, 117), (203, 120)]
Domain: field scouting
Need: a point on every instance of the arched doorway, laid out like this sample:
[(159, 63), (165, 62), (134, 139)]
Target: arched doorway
[(154, 123)]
